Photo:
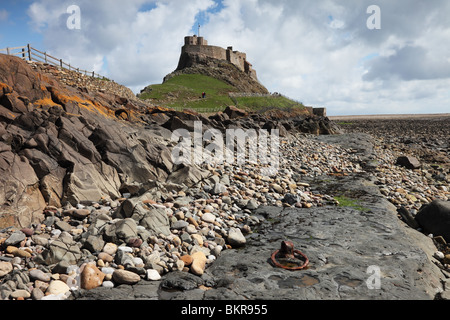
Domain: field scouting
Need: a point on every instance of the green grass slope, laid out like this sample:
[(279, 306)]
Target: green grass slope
[(185, 92)]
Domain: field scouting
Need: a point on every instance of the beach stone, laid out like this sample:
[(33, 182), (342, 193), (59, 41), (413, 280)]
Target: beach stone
[(94, 244), (198, 238), (180, 224), (252, 204), (17, 294), (57, 287), (81, 213), (106, 257), (208, 217), (110, 248), (5, 268), (236, 238), (408, 162), (218, 189), (198, 263), (40, 275), (125, 277), (60, 251), (37, 294), (15, 238), (91, 277), (63, 226), (27, 231), (121, 230), (108, 284), (187, 259), (277, 188), (153, 275)]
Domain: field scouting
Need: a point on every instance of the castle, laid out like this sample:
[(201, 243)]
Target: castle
[(199, 46)]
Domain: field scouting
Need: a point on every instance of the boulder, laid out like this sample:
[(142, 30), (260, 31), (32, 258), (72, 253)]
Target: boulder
[(435, 218), (122, 230), (232, 112), (188, 175), (155, 220), (62, 251), (408, 162), (19, 191)]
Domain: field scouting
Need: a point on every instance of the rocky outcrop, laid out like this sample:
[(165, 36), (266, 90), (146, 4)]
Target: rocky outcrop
[(63, 144)]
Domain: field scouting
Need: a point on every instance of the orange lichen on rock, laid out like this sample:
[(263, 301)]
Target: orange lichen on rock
[(45, 102), (5, 88)]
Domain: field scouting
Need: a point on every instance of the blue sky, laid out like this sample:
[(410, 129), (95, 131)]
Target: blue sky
[(321, 53), (15, 30)]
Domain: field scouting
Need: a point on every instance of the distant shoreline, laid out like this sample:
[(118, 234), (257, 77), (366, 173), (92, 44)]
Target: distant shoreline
[(391, 116)]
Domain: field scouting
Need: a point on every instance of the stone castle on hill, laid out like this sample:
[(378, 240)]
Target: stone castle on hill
[(194, 45)]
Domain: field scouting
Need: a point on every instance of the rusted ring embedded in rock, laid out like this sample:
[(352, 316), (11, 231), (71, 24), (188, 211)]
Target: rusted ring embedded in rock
[(287, 251)]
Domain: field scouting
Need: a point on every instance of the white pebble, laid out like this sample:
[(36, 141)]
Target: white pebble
[(153, 275), (108, 284), (108, 270), (126, 249), (439, 255)]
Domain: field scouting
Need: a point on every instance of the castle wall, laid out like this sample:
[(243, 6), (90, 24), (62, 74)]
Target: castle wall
[(198, 45), (210, 51)]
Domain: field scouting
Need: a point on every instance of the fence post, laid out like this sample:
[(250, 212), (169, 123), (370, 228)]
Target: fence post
[(23, 53), (29, 52), (7, 51), (45, 57), (61, 63)]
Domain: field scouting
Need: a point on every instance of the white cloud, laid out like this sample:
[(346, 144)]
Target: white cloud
[(317, 52), (4, 15)]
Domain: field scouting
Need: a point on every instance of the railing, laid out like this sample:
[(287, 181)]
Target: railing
[(31, 54), (199, 110)]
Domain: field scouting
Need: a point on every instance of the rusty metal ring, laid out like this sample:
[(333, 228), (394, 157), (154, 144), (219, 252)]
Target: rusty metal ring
[(287, 250)]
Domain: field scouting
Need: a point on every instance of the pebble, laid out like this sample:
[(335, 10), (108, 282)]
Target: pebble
[(125, 277), (57, 287), (153, 275), (208, 217), (91, 277), (198, 263), (236, 238), (40, 275), (5, 268), (17, 294)]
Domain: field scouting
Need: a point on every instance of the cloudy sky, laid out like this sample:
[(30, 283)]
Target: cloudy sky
[(343, 55)]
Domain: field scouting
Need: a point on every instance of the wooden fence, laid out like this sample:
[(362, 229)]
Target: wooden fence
[(31, 54)]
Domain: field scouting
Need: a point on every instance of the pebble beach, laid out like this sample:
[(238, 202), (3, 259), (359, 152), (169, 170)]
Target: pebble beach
[(99, 244)]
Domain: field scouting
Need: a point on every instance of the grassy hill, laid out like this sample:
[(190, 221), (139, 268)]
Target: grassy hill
[(184, 91)]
